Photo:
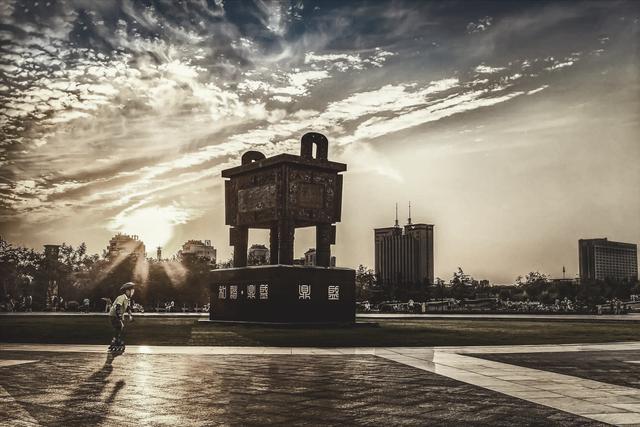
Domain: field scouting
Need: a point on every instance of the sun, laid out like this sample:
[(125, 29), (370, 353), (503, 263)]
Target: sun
[(154, 225)]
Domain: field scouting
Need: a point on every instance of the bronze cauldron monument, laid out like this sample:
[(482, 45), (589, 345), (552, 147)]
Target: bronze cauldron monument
[(282, 193)]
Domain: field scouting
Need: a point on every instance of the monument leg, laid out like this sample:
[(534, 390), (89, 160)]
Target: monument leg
[(323, 245), (239, 241), (286, 232), (273, 245)]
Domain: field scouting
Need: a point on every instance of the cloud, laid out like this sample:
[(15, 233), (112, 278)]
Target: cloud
[(380, 126), (284, 86), (389, 98), (121, 105), (299, 82), (485, 69), (482, 25), (559, 65), (274, 16), (339, 61)]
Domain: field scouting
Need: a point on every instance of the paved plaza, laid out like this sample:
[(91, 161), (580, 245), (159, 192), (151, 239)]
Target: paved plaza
[(631, 317), (165, 385)]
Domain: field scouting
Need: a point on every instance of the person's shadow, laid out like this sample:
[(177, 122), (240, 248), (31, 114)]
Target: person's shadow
[(85, 401)]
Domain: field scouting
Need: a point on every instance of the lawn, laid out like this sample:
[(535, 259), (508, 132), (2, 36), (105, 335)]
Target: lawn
[(420, 332)]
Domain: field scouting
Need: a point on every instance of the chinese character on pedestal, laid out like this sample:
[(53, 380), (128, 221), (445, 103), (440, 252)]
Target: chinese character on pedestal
[(304, 291), (233, 292), (222, 292), (251, 291), (264, 291), (334, 293)]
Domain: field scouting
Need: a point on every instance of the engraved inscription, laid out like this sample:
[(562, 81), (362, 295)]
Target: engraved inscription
[(310, 196), (257, 198)]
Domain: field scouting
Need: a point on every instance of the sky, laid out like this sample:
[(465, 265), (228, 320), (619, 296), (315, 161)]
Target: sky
[(514, 128)]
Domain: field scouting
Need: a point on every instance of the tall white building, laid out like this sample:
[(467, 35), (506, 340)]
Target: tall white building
[(404, 255), (199, 249), (602, 259)]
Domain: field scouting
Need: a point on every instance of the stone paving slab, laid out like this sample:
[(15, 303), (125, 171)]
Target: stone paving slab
[(612, 367), (293, 388), (593, 399)]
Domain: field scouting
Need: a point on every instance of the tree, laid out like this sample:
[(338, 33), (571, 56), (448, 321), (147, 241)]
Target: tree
[(594, 292), (461, 285), (77, 272), (159, 287), (195, 289), (459, 278), (112, 275), (535, 286), (18, 269), (591, 293), (365, 282)]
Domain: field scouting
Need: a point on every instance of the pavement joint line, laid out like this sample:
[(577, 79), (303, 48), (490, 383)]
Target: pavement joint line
[(7, 362)]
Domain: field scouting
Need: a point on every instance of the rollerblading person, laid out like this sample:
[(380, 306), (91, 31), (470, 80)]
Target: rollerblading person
[(117, 346), (121, 307)]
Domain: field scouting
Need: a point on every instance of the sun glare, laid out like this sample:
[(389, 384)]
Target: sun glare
[(153, 225)]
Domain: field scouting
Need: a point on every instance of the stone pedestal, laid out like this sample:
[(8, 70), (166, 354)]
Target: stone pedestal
[(283, 294)]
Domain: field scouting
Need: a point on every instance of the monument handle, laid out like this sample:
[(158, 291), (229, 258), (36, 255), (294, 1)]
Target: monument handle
[(321, 142)]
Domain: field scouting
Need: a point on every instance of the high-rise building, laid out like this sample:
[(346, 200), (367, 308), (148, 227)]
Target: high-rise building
[(199, 249), (123, 244), (601, 259), (404, 255)]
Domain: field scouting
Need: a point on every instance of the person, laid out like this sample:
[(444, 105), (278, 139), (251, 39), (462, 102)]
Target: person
[(121, 306)]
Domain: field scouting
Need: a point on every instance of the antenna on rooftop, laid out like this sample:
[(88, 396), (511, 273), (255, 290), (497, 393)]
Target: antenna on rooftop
[(397, 225), (409, 221)]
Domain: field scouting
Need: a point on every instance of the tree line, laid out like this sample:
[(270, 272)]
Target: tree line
[(534, 287), (79, 275)]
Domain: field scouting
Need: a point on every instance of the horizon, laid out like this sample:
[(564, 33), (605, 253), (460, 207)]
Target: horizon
[(512, 128), (149, 256)]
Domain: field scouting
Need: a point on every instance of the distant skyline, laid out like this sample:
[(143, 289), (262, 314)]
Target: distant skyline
[(513, 128)]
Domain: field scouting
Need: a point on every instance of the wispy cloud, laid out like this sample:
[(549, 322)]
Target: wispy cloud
[(485, 69), (115, 110), (481, 25)]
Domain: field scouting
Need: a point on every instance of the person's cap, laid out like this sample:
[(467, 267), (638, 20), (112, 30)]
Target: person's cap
[(128, 285)]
